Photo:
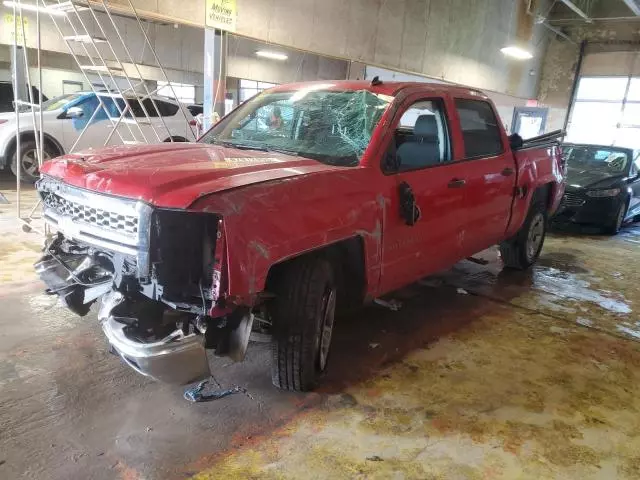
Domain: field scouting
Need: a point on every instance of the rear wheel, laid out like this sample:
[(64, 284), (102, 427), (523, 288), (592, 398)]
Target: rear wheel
[(303, 313), (523, 249), (29, 168)]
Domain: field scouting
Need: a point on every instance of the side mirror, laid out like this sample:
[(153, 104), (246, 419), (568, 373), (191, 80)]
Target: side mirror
[(515, 141), (75, 112)]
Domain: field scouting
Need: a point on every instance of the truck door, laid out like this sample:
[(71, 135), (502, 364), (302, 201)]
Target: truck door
[(490, 172), (424, 220)]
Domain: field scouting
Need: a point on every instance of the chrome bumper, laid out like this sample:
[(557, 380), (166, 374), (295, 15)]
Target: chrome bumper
[(176, 359)]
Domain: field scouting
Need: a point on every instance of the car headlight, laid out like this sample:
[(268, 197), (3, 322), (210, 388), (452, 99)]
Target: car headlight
[(611, 192)]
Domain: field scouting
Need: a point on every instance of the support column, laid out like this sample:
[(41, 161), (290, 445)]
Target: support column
[(215, 74)]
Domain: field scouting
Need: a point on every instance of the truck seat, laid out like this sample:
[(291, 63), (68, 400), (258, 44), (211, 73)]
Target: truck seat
[(424, 148)]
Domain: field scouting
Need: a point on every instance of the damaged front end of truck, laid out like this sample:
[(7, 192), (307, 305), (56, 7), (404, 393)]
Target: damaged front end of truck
[(158, 273)]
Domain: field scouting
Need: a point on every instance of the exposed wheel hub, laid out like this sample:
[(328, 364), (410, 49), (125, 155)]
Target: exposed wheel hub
[(535, 235)]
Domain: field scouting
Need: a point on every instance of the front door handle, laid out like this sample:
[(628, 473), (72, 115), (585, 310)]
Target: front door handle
[(507, 172), (457, 183)]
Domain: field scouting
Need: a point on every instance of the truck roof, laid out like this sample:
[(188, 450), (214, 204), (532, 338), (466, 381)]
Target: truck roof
[(385, 88)]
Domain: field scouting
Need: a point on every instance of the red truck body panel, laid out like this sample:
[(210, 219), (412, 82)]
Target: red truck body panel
[(275, 206)]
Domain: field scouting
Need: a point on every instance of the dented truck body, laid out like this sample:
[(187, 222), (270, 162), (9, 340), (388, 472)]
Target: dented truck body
[(188, 246)]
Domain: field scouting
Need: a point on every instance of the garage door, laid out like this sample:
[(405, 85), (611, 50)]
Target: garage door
[(606, 111)]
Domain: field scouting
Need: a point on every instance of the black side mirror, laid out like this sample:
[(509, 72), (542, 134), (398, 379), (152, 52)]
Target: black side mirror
[(515, 141)]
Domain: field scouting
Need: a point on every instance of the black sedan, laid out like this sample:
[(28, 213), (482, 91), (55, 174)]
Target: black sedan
[(603, 186)]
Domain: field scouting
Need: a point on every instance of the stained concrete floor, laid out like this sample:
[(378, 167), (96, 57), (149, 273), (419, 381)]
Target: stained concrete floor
[(482, 374)]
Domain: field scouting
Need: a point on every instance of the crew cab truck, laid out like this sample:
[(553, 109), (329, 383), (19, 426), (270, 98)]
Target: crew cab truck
[(307, 198)]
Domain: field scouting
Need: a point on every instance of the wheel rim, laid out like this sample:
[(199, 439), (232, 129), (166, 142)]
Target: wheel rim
[(326, 328), (620, 218), (535, 236), (29, 161)]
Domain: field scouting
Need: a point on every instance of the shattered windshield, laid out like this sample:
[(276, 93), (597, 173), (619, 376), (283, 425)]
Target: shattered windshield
[(333, 127)]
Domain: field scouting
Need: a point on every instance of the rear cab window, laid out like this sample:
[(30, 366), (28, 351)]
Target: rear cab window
[(480, 128)]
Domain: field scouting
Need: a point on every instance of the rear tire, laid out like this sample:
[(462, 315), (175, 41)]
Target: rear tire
[(523, 249), (303, 313), (30, 170)]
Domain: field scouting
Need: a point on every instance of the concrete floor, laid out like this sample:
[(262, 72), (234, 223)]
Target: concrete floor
[(482, 374)]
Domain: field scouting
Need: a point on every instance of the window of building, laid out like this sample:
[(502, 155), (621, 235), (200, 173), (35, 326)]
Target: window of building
[(249, 88), (184, 92), (606, 111), (480, 130)]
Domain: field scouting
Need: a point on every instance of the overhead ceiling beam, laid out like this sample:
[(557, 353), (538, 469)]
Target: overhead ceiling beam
[(633, 6), (576, 9)]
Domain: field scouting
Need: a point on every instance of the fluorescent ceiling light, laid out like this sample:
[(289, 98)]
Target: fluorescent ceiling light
[(85, 39), (34, 8), (516, 52), (271, 55)]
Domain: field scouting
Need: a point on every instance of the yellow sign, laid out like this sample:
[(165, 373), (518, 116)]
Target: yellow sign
[(221, 14), (8, 31)]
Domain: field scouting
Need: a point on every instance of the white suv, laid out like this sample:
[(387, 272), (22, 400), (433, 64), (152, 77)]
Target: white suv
[(65, 117)]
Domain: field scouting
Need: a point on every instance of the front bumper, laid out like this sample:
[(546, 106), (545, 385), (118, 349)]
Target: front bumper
[(176, 359), (577, 207)]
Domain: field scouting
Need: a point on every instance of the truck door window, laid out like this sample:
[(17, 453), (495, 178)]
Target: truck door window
[(480, 128), (421, 138)]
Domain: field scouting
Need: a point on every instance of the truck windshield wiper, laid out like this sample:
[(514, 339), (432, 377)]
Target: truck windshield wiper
[(283, 150), (240, 146)]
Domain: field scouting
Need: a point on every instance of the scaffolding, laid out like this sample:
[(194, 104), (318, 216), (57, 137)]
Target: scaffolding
[(95, 54)]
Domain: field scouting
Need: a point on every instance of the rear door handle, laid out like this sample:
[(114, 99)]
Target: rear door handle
[(507, 172), (457, 183)]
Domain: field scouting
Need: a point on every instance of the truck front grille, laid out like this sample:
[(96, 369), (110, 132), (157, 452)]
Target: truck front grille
[(90, 215), (103, 221)]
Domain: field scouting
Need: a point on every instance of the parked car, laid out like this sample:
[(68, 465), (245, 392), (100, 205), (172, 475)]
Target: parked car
[(7, 98), (358, 189), (65, 117), (603, 186)]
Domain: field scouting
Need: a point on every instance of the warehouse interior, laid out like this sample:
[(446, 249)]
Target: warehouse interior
[(468, 369)]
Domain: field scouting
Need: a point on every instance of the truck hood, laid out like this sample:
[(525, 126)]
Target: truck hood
[(174, 175)]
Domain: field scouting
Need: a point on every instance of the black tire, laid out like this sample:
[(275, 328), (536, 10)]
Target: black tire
[(614, 227), (303, 306), (30, 172), (521, 251)]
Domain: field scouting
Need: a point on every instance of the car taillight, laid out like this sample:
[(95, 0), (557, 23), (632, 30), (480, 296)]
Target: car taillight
[(3, 121)]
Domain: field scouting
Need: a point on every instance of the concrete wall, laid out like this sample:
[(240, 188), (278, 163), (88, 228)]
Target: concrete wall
[(242, 61), (454, 40), (299, 66)]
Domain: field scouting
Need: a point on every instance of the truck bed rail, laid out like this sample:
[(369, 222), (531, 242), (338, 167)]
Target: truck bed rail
[(545, 140)]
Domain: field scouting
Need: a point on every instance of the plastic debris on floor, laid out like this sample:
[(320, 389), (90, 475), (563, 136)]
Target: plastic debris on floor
[(197, 393)]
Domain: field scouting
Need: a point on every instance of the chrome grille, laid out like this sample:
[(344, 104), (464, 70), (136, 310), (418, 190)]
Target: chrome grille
[(572, 200), (91, 215)]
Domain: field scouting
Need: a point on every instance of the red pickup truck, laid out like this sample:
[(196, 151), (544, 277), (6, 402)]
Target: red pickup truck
[(307, 198)]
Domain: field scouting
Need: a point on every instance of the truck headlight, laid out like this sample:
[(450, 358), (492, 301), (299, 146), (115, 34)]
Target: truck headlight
[(611, 192)]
